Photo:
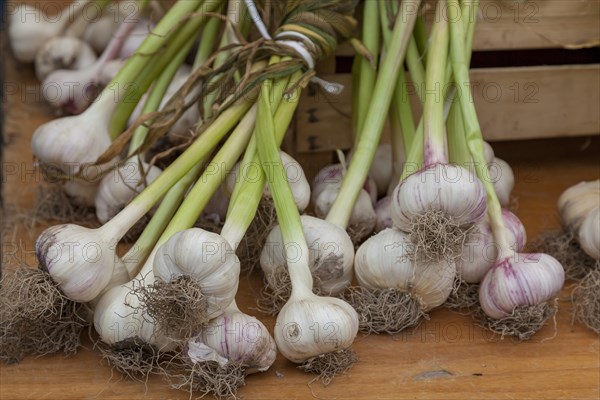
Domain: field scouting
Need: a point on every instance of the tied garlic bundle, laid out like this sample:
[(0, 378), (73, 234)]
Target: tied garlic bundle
[(408, 269), (323, 354), (515, 293)]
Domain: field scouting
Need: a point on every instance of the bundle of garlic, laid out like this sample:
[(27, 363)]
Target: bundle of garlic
[(331, 248), (516, 293)]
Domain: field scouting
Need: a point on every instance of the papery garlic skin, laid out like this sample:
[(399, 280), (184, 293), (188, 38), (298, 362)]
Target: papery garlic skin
[(80, 260), (241, 338), (330, 258), (480, 252), (383, 210), (575, 203), (520, 280), (29, 29), (383, 262), (99, 32), (589, 234), (205, 257), (381, 169), (63, 52), (488, 152), (294, 174), (363, 218), (120, 186), (440, 187), (80, 192), (312, 325), (331, 174), (503, 180)]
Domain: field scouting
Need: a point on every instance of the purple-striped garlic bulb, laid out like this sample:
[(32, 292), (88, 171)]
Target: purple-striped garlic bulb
[(520, 280)]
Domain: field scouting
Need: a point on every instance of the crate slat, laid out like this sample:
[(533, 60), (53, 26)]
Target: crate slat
[(512, 103)]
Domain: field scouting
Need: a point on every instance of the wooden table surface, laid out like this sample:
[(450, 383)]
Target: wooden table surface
[(447, 357)]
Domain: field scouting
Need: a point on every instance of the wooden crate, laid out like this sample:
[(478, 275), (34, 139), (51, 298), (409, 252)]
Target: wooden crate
[(513, 103)]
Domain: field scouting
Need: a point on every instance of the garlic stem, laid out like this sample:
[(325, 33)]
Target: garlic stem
[(287, 213), (473, 131), (209, 37), (433, 110), (243, 206), (369, 139), (368, 72), (156, 95), (176, 29)]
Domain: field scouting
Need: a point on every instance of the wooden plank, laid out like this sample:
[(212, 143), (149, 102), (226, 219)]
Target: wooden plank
[(518, 24), (512, 103)]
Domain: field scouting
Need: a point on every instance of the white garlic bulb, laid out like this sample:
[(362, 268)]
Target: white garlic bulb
[(240, 338), (116, 318), (121, 185), (311, 325), (363, 217), (80, 260), (383, 262), (331, 254), (488, 152), (294, 173), (205, 257), (440, 187), (503, 178), (575, 203), (381, 169), (333, 175), (99, 32), (70, 143), (383, 210), (589, 234), (80, 192), (110, 70), (63, 52), (520, 280), (480, 252), (29, 29)]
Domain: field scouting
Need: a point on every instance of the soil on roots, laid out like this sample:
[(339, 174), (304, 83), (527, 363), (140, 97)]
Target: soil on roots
[(586, 300), (522, 323), (178, 307), (464, 298), (327, 366), (203, 378), (36, 317), (563, 246), (384, 311), (256, 236), (131, 357), (435, 237)]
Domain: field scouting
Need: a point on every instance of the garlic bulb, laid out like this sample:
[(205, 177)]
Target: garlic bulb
[(383, 262), (311, 325), (383, 210), (363, 217), (99, 32), (381, 169), (63, 52), (333, 175), (110, 70), (116, 318), (589, 234), (80, 192), (575, 203), (216, 208), (240, 338), (330, 254), (294, 173), (69, 143), (448, 188), (184, 127), (29, 29), (520, 280), (80, 260), (480, 252), (121, 185), (205, 257), (503, 178), (488, 152)]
